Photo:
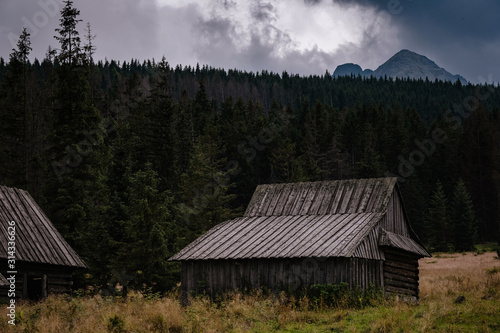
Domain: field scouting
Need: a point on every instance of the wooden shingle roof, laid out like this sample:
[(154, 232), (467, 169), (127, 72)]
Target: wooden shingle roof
[(316, 219), (321, 198), (392, 239), (297, 236), (37, 240)]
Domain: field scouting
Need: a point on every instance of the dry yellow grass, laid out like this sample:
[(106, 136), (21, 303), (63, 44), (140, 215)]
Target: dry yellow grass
[(442, 279), (97, 314), (450, 274)]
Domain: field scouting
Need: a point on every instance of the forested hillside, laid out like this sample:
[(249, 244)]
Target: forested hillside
[(132, 161)]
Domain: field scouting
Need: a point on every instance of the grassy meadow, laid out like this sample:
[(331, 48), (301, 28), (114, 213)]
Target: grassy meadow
[(443, 278)]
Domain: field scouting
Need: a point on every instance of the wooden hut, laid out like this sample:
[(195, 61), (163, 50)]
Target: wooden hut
[(295, 235), (44, 261)]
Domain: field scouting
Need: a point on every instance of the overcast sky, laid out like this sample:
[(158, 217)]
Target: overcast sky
[(299, 36)]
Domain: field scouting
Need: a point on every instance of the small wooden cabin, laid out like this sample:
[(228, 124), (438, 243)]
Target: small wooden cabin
[(44, 261), (295, 235)]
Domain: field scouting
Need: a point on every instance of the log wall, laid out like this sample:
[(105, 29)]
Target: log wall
[(400, 273)]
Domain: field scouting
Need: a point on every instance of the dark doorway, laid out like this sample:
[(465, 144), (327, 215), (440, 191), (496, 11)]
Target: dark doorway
[(35, 286)]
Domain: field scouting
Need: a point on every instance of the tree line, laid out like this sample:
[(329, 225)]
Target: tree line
[(132, 161)]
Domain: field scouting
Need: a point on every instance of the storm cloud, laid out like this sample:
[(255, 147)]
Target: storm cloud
[(299, 36)]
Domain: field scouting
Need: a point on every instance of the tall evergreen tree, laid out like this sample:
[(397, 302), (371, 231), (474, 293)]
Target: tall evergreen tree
[(464, 218), (203, 111), (93, 75), (78, 157), (438, 225), (205, 186), (158, 132), (69, 37), (184, 137), (15, 127), (479, 163), (89, 47), (285, 164), (149, 233), (23, 48)]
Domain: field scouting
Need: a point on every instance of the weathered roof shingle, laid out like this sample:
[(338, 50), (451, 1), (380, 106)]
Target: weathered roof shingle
[(37, 240), (321, 198)]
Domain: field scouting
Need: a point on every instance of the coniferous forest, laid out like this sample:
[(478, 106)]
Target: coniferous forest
[(133, 160)]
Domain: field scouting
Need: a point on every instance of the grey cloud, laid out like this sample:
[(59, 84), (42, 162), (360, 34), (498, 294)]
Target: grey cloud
[(40, 18), (124, 28), (216, 34), (263, 11), (228, 4), (312, 2), (271, 48)]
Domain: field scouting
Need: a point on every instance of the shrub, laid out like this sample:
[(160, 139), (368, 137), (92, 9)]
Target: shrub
[(116, 324), (341, 295), (329, 294), (150, 295), (493, 270)]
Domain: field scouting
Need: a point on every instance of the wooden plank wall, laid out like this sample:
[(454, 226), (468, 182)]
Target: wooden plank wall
[(401, 273), (394, 219), (215, 276), (369, 247)]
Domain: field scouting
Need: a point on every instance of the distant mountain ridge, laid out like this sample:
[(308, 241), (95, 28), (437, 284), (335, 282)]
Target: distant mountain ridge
[(350, 68), (404, 64)]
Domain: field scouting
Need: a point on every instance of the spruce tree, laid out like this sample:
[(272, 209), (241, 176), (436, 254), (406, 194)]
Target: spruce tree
[(23, 48), (158, 132), (203, 111), (464, 218), (285, 165), (205, 186), (438, 223), (16, 117), (77, 159), (149, 233), (184, 137), (89, 47), (69, 37)]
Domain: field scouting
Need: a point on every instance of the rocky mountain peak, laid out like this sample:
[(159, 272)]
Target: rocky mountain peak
[(404, 64)]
